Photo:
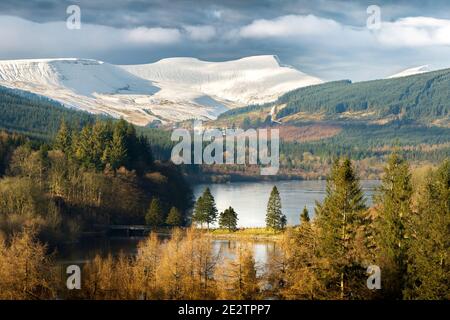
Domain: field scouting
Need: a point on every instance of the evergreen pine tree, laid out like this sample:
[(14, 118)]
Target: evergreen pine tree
[(274, 217), (205, 210), (83, 147), (198, 215), (304, 216), (174, 217), (228, 219), (63, 139), (283, 221), (394, 210), (210, 205), (100, 139), (338, 219), (154, 216), (429, 240), (116, 153)]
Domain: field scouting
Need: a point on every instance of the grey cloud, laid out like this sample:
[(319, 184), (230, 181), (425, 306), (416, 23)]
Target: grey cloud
[(137, 31)]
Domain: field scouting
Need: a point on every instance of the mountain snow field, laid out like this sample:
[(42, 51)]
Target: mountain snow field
[(168, 90)]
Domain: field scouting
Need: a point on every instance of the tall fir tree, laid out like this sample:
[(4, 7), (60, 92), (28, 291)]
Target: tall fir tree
[(100, 139), (155, 215), (210, 207), (174, 218), (116, 152), (205, 210), (339, 220), (393, 207), (83, 147), (63, 139), (198, 216), (304, 216), (275, 218), (228, 219), (429, 240)]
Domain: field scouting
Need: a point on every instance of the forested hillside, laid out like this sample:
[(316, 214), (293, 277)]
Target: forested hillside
[(39, 118), (364, 121), (35, 115), (312, 129), (102, 174), (421, 98)]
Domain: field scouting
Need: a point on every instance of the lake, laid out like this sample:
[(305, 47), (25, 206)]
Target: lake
[(249, 199), (86, 249)]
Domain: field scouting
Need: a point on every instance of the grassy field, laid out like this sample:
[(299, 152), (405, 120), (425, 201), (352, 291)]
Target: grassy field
[(246, 233)]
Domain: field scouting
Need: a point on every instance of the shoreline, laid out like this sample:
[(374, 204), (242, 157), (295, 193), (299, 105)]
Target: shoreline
[(249, 234)]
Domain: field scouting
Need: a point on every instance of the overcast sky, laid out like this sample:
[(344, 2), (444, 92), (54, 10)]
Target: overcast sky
[(325, 38)]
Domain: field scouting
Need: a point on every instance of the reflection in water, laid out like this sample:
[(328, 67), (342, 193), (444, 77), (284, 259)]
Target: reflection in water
[(261, 250), (249, 199), (86, 250)]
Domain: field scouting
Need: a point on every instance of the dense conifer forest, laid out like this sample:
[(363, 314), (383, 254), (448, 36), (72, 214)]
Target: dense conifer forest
[(420, 98), (102, 174)]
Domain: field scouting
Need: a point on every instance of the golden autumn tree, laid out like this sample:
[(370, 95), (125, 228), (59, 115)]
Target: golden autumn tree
[(26, 271), (237, 278)]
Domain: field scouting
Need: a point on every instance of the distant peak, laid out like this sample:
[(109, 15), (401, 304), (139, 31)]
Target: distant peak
[(412, 71), (178, 59), (260, 60)]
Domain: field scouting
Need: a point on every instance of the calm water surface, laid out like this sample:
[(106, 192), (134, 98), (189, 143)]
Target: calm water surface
[(249, 199), (86, 249)]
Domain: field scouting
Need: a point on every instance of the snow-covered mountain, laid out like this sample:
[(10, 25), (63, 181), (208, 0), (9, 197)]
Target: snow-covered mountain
[(249, 80), (411, 71), (168, 90)]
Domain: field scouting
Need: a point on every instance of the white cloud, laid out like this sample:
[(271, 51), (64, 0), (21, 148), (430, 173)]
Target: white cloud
[(404, 32), (415, 32), (23, 38), (321, 46), (336, 50), (143, 35), (200, 33), (288, 26)]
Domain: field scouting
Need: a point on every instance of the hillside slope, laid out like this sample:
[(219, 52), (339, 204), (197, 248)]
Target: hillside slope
[(166, 91), (34, 115), (422, 98)]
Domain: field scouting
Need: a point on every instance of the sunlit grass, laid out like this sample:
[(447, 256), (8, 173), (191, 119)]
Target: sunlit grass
[(246, 232)]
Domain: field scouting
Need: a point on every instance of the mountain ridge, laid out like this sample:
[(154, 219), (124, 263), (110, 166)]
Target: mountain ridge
[(422, 98), (411, 71), (168, 90)]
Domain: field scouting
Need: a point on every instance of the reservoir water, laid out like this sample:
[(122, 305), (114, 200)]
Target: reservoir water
[(249, 199)]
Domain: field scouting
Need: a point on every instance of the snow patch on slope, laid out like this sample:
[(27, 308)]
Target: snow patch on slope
[(83, 76), (411, 71)]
